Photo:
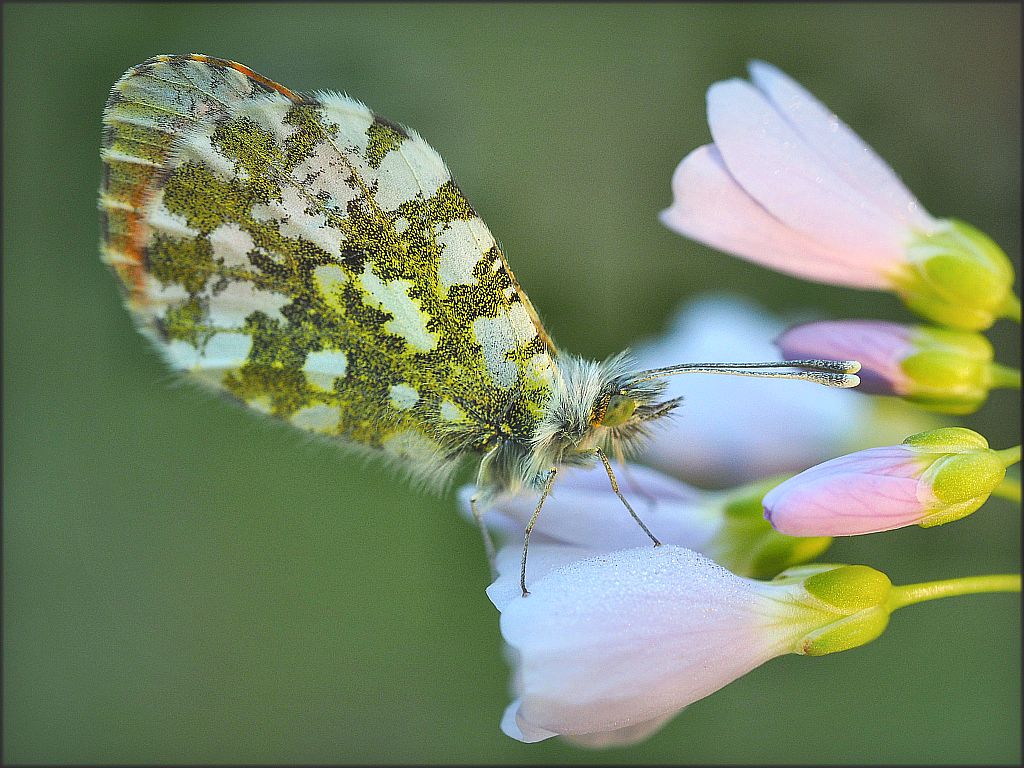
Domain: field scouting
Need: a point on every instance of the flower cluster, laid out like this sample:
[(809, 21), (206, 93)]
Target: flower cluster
[(615, 636)]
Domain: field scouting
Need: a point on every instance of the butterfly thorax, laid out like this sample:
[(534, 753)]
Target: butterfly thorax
[(593, 405)]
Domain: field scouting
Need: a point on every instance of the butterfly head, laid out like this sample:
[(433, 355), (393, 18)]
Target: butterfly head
[(596, 405)]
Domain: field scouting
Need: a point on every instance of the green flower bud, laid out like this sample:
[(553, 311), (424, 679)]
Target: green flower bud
[(952, 371), (959, 277), (858, 596), (748, 543), (963, 476)]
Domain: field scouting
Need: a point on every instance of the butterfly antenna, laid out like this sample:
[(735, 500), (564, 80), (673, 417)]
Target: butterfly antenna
[(828, 373)]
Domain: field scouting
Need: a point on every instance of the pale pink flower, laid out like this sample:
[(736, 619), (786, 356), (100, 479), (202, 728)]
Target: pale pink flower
[(788, 185), (608, 648), (583, 513)]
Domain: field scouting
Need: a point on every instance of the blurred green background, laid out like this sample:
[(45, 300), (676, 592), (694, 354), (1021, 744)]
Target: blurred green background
[(184, 582)]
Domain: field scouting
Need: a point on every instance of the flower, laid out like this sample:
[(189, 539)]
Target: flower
[(930, 479), (940, 368), (788, 185), (733, 430), (582, 512), (607, 649)]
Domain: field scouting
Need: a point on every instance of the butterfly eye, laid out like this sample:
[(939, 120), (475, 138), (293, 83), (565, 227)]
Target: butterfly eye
[(618, 409)]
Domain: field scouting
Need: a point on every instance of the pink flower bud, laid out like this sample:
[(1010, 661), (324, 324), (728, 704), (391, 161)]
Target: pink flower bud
[(878, 346), (942, 369), (735, 430), (932, 478)]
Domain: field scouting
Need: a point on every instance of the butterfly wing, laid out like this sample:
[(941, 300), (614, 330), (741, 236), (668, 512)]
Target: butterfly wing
[(317, 263)]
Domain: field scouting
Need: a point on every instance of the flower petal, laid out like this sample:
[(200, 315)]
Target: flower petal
[(545, 557), (709, 205), (878, 489), (629, 637), (844, 151), (770, 160), (621, 737), (524, 732), (583, 511)]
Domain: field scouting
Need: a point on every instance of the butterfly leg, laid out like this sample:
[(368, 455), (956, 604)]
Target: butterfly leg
[(484, 533), (632, 485), (474, 505), (615, 487), (529, 527)]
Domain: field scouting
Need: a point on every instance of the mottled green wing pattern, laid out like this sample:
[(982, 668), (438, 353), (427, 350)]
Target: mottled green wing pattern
[(316, 262)]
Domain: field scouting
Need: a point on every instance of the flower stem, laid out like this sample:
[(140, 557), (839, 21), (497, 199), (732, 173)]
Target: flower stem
[(1003, 376), (1008, 489), (1011, 308), (1009, 456), (909, 594)]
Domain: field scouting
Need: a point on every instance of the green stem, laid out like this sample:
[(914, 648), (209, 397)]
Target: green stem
[(1011, 308), (908, 594), (1009, 456), (1009, 488), (1002, 376), (749, 493)]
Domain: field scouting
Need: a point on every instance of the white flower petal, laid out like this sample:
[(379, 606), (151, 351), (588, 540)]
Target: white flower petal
[(545, 556), (709, 205), (844, 151), (527, 733), (621, 737), (629, 637), (583, 511), (770, 160)]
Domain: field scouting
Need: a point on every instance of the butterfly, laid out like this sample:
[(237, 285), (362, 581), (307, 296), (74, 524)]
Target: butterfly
[(317, 262)]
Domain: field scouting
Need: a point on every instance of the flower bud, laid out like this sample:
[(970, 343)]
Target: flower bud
[(958, 276), (859, 595), (941, 369), (932, 478), (740, 429)]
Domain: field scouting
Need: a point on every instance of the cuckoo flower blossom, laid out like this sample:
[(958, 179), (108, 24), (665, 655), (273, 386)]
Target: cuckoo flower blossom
[(606, 649), (582, 512), (931, 478), (788, 185), (939, 368)]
